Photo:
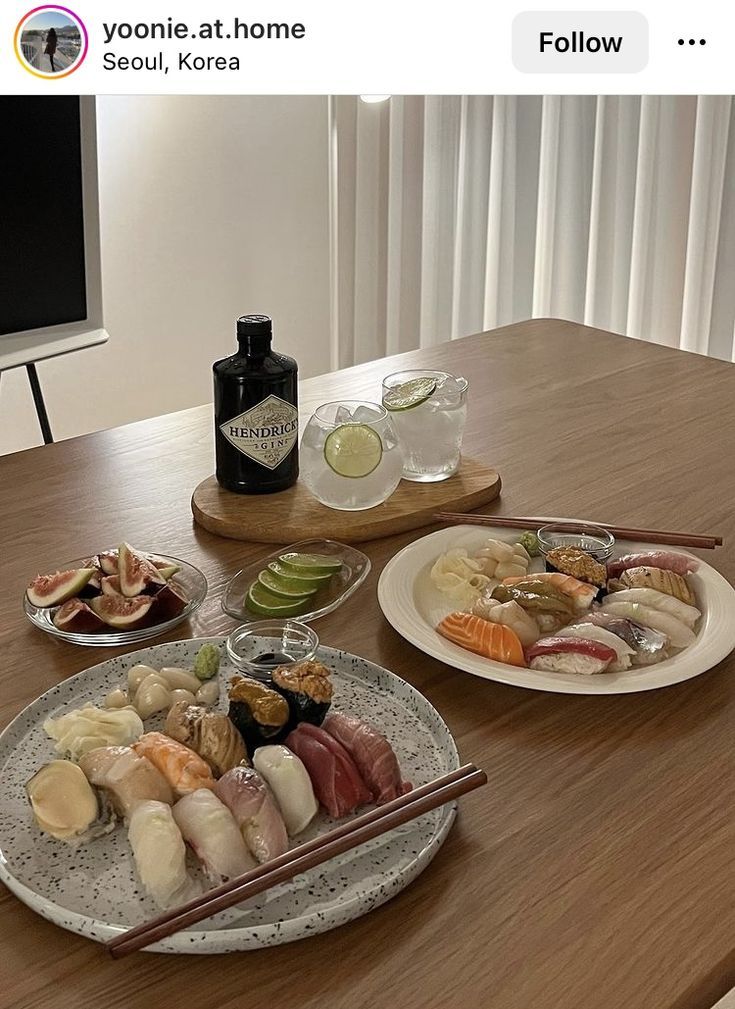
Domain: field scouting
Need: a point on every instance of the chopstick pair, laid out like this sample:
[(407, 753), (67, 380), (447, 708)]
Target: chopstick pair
[(306, 856), (695, 540)]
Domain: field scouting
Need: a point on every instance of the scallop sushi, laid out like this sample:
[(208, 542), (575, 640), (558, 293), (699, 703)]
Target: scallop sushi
[(208, 826), (289, 781), (160, 854), (307, 688), (577, 656)]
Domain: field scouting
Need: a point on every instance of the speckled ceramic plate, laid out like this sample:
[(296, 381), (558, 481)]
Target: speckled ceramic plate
[(414, 606), (94, 891)]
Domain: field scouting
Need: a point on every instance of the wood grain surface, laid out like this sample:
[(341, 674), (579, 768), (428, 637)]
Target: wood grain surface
[(595, 871), (295, 514)]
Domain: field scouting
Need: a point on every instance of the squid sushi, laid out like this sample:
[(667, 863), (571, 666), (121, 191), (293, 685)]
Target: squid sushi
[(160, 854), (259, 713), (582, 594), (679, 563), (307, 689), (688, 615), (184, 770), (255, 812), (510, 614), (494, 641), (337, 782), (209, 827), (662, 581), (211, 734), (372, 753), (578, 656), (288, 779), (127, 777), (650, 646), (592, 632), (677, 632)]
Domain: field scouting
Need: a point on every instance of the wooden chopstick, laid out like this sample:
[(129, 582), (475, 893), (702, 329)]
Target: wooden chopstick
[(701, 542), (312, 853)]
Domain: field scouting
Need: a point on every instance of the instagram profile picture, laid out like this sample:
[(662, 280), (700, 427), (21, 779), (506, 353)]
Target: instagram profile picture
[(51, 41)]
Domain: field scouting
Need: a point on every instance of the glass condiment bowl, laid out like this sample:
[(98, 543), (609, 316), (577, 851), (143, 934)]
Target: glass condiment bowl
[(594, 539), (258, 648)]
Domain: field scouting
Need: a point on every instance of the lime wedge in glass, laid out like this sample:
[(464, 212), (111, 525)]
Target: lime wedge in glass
[(409, 394), (260, 600), (289, 588), (353, 450), (308, 565)]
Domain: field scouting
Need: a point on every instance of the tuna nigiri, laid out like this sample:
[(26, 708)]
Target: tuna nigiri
[(688, 615), (679, 563), (649, 577), (571, 655), (582, 593), (209, 827), (677, 632), (494, 641), (592, 632), (334, 774), (184, 770), (247, 797), (373, 754)]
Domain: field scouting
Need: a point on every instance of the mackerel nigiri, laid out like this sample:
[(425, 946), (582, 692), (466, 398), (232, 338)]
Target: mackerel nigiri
[(494, 641), (571, 655), (677, 632), (582, 593), (679, 563), (650, 646)]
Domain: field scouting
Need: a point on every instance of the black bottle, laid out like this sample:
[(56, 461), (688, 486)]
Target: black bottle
[(256, 421)]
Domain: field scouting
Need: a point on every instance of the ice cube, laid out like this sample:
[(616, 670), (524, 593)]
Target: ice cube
[(365, 415), (342, 415)]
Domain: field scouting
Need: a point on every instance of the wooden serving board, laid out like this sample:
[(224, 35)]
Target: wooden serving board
[(294, 514)]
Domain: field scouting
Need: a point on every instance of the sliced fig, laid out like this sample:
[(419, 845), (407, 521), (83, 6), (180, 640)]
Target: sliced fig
[(50, 590), (138, 576), (77, 618), (170, 602), (121, 613), (111, 585), (94, 585), (108, 562)]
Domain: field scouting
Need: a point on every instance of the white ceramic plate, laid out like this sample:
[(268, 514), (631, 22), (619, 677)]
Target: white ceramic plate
[(414, 607), (93, 890)]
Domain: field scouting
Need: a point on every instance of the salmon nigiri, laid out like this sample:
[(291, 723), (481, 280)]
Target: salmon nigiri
[(581, 593), (183, 769), (494, 641)]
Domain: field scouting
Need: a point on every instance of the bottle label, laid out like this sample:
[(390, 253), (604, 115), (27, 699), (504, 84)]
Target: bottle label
[(266, 433)]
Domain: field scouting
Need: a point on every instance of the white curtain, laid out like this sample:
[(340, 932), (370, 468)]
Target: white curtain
[(452, 215)]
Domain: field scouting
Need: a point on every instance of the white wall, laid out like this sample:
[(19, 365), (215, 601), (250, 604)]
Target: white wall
[(211, 207)]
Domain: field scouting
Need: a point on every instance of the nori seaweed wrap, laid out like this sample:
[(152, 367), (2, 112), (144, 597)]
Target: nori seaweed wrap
[(307, 688), (259, 713)]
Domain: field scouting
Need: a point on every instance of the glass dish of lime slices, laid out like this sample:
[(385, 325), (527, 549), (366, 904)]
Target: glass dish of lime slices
[(305, 580)]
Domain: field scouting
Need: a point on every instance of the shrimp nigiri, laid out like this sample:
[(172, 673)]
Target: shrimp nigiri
[(494, 641), (184, 770), (582, 593)]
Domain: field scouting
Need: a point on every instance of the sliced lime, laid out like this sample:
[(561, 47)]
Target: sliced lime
[(309, 565), (289, 588), (409, 394), (260, 600), (311, 577), (353, 450)]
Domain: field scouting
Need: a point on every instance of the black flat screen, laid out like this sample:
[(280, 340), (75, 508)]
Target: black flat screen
[(42, 278)]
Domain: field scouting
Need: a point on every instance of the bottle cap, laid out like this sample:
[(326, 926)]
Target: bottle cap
[(254, 332)]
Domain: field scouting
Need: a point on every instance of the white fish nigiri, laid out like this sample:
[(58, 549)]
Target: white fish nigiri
[(677, 632), (593, 632), (160, 853), (688, 615), (208, 826), (289, 781), (249, 800)]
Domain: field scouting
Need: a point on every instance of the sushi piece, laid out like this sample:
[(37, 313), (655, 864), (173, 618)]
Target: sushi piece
[(680, 563), (334, 774), (65, 806), (579, 656), (511, 615), (127, 777), (211, 734), (592, 632), (650, 646), (372, 753), (184, 770), (688, 615), (677, 632), (667, 582), (259, 713), (160, 854), (307, 688), (577, 563), (288, 779), (207, 825), (581, 593), (494, 641), (255, 812)]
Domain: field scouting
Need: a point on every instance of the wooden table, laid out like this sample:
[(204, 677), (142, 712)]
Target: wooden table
[(596, 868)]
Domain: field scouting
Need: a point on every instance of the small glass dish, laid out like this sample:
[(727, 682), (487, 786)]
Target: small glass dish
[(261, 646), (352, 573), (594, 539), (188, 578)]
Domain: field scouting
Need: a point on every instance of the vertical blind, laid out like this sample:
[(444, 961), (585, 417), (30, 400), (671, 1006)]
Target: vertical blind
[(452, 215)]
